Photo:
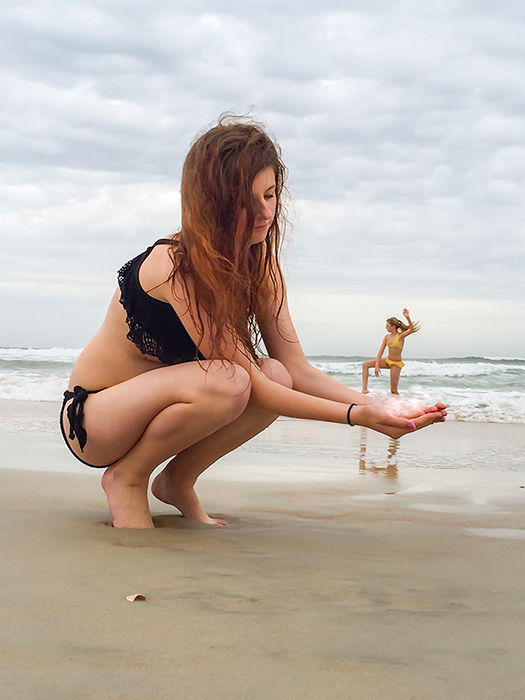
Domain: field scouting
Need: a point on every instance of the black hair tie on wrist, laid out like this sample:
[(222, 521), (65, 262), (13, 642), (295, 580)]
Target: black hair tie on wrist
[(348, 414)]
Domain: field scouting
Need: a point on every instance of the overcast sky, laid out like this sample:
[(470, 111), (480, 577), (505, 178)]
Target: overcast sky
[(401, 122)]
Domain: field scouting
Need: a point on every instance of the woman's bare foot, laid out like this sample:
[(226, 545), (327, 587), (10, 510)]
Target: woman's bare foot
[(165, 488), (365, 391), (128, 503)]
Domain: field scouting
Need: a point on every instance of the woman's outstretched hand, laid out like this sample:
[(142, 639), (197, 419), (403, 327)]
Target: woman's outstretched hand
[(395, 426), (406, 313)]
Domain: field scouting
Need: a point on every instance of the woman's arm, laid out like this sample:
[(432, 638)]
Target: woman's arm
[(412, 328), (275, 398), (379, 357), (282, 343)]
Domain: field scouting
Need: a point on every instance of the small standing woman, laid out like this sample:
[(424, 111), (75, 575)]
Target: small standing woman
[(394, 341)]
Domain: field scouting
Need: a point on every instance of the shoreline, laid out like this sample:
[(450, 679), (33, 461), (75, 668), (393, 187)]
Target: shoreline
[(353, 566), (290, 449), (310, 592)]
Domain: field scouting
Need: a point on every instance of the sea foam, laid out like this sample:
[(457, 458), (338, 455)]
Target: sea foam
[(480, 389)]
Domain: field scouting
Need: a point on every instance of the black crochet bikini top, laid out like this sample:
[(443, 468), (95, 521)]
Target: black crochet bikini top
[(154, 326)]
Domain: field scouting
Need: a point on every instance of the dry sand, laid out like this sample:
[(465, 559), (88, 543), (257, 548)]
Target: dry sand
[(393, 584)]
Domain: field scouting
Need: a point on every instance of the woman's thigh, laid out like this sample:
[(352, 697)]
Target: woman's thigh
[(115, 418)]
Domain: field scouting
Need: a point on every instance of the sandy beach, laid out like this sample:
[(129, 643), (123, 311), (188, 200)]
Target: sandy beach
[(391, 578)]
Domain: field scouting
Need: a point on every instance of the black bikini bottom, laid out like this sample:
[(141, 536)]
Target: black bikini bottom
[(75, 414)]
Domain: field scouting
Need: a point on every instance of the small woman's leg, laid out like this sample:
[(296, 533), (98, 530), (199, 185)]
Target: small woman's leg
[(175, 484), (136, 425), (366, 366), (394, 379)]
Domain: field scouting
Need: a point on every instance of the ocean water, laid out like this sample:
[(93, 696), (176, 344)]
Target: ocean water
[(478, 389)]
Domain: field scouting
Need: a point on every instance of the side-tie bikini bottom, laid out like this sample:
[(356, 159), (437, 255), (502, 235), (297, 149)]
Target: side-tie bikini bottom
[(75, 414)]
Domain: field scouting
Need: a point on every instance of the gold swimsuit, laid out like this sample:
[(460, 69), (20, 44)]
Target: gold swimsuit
[(395, 344), (394, 362)]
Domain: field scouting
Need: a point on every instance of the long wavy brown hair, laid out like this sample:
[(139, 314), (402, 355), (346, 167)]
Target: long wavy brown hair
[(393, 321), (229, 275)]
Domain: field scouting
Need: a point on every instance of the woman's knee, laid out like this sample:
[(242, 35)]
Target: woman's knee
[(228, 385), (277, 372)]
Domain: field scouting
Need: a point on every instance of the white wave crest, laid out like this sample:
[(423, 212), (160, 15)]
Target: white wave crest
[(478, 405), (40, 354), (32, 387), (417, 368), (414, 368)]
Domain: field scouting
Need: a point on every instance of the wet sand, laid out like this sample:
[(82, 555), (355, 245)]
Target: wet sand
[(385, 580)]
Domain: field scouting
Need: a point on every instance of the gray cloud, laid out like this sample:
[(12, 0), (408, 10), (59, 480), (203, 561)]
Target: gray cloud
[(401, 125)]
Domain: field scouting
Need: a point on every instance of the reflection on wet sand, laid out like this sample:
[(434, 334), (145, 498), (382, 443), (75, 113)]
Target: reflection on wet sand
[(389, 470)]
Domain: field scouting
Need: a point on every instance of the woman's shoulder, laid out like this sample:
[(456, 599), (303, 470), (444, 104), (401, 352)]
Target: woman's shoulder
[(156, 268)]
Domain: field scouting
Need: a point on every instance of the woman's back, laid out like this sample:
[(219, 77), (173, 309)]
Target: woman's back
[(123, 348)]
